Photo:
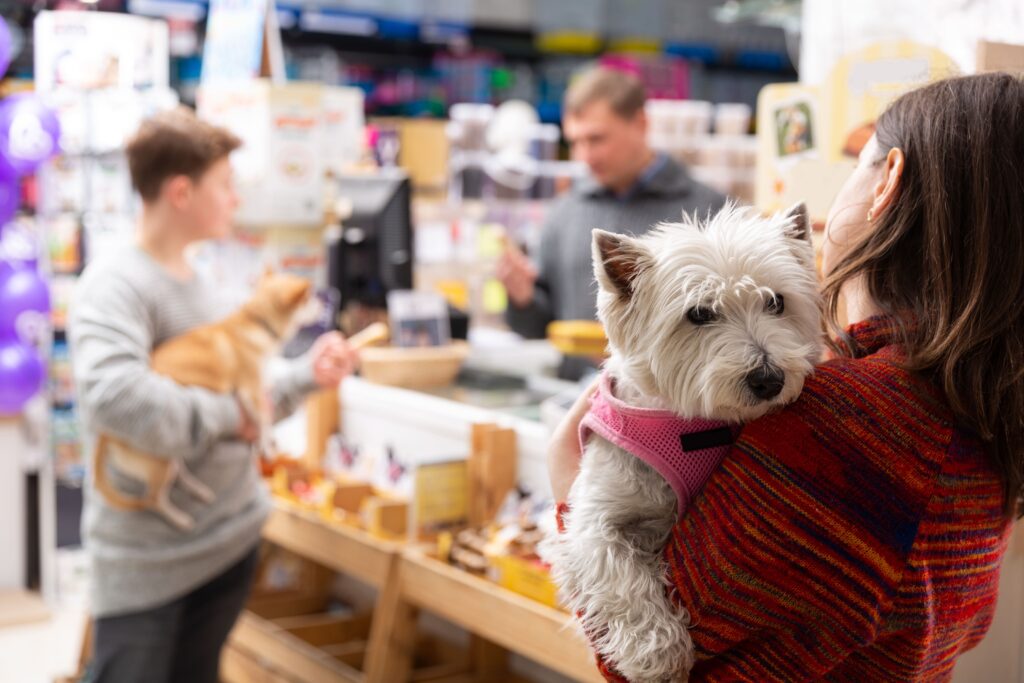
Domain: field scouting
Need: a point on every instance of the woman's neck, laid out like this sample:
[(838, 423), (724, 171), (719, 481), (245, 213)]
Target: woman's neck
[(859, 304)]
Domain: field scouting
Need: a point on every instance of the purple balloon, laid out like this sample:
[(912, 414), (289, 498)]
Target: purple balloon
[(29, 132), (22, 373), (19, 247), (24, 304), (5, 47), (10, 191)]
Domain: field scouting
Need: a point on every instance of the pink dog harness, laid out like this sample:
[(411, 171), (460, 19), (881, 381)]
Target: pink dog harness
[(683, 451)]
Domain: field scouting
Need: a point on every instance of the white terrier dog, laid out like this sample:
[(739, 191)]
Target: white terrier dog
[(709, 326)]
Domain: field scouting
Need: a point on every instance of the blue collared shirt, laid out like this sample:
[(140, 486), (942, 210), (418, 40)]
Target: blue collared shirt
[(643, 180), (646, 181)]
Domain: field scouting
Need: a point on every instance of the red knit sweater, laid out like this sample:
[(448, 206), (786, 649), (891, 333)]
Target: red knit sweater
[(854, 536)]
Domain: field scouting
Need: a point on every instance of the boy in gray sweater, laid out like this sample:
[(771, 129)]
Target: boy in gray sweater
[(164, 600)]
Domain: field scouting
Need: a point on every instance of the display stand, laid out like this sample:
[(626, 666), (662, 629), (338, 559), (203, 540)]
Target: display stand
[(294, 640)]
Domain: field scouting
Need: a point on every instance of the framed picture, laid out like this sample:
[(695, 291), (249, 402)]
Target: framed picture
[(794, 133), (418, 319)]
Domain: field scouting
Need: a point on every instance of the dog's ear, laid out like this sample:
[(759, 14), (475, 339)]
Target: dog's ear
[(799, 222), (618, 259), (291, 292), (298, 291)]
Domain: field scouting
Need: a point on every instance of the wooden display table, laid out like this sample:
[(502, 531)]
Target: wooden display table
[(506, 619), (297, 640)]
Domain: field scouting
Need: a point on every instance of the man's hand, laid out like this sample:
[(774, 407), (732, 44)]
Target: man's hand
[(517, 274)]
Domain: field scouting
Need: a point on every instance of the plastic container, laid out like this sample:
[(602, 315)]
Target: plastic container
[(578, 337), (732, 119)]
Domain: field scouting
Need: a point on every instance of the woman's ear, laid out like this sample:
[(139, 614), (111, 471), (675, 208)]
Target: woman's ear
[(888, 188)]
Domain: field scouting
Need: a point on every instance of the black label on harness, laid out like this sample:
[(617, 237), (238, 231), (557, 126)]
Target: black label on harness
[(712, 438)]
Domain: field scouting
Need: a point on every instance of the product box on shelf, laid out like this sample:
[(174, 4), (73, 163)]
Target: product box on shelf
[(280, 166), (292, 133), (343, 127)]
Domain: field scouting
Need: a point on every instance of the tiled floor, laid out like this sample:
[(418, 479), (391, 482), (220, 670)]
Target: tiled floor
[(45, 650)]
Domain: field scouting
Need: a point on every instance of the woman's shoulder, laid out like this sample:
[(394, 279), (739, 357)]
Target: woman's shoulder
[(863, 429), (875, 397)]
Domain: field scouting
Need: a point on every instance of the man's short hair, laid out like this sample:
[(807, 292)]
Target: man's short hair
[(174, 143), (622, 91)]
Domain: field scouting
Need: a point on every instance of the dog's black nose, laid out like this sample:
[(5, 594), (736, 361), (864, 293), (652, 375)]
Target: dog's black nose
[(766, 382)]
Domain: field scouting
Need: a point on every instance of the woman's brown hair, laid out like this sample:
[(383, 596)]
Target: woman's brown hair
[(946, 259)]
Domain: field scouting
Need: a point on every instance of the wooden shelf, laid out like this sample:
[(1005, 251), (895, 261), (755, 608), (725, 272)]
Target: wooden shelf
[(408, 580), (512, 621), (346, 550)]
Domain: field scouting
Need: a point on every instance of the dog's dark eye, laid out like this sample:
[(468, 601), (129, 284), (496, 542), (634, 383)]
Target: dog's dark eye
[(776, 305), (698, 315)]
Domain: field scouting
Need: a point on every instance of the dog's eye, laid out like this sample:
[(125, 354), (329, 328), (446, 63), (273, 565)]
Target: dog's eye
[(698, 315), (776, 305)]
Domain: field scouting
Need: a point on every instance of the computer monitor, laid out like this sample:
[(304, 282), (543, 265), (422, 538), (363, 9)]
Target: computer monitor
[(373, 254)]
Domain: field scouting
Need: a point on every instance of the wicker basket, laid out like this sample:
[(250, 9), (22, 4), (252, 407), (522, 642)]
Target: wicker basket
[(414, 368)]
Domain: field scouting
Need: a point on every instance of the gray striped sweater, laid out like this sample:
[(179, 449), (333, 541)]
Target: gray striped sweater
[(123, 307)]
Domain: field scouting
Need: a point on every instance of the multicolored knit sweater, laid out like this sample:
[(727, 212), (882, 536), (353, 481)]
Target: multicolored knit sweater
[(854, 536)]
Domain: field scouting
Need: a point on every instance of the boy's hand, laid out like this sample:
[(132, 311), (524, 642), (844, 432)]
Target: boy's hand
[(248, 426), (333, 359)]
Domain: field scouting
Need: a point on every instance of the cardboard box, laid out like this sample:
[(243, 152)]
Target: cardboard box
[(525, 577), (994, 56)]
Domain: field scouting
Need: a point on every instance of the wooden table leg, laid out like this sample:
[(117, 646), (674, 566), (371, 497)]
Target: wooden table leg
[(392, 643), (490, 661)]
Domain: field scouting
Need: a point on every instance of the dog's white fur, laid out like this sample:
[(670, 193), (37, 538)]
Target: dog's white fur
[(608, 563)]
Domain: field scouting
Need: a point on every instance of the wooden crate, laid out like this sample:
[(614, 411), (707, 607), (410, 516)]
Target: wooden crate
[(296, 638), (274, 644)]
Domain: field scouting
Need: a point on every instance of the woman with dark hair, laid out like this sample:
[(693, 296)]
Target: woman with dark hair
[(857, 534)]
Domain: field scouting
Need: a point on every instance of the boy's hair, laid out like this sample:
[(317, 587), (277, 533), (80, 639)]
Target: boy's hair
[(622, 91), (175, 143)]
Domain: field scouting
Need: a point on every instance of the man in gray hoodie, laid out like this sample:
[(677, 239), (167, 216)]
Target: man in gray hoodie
[(631, 188)]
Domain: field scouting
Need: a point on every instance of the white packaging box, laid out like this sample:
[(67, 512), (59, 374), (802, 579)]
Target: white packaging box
[(418, 429), (344, 125), (280, 168)]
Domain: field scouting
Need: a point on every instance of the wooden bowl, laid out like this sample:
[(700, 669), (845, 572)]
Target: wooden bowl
[(413, 368)]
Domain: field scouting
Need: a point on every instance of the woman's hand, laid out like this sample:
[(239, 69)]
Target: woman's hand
[(564, 449), (333, 359)]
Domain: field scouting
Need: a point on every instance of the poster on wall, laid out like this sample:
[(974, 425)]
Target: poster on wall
[(99, 50), (233, 50)]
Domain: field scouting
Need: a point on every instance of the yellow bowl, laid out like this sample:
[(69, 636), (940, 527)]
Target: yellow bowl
[(578, 337)]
